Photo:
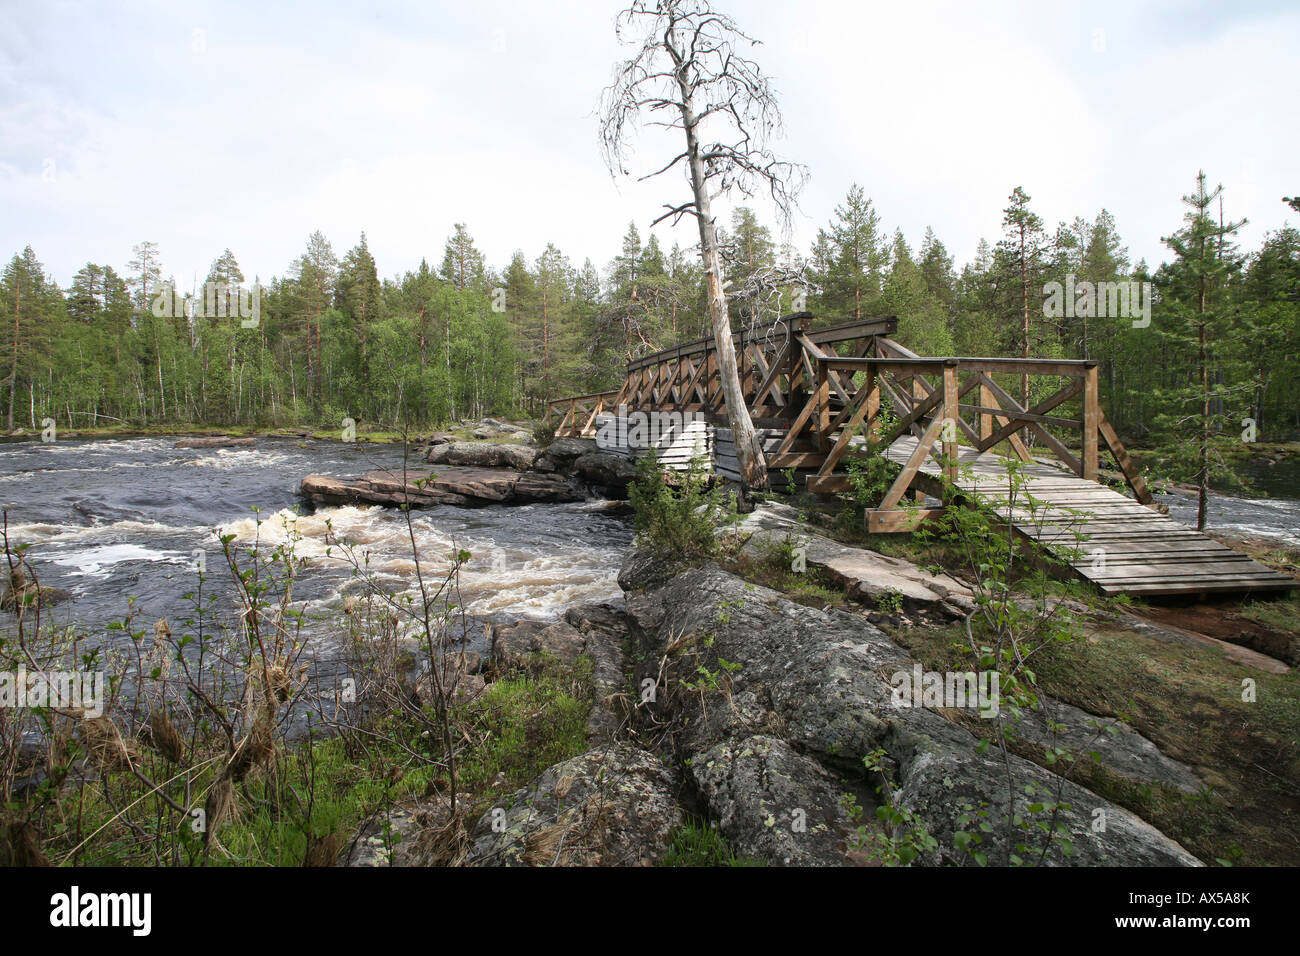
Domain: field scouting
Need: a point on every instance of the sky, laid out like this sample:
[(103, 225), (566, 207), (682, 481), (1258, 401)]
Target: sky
[(206, 126)]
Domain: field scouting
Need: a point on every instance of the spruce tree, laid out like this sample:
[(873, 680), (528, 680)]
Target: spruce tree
[(854, 274), (1021, 260), (1196, 317)]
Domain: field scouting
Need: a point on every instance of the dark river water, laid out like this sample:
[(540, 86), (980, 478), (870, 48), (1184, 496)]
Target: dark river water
[(110, 521)]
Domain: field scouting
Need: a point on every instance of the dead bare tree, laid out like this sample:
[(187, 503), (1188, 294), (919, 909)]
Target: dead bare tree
[(771, 291), (690, 75)]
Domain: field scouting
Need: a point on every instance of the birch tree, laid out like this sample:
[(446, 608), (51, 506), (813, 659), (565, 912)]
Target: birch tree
[(690, 73)]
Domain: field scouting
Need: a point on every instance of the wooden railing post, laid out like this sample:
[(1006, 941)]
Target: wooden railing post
[(1091, 423)]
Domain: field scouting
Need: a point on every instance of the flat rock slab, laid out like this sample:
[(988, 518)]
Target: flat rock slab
[(864, 575), (1235, 652), (449, 485), (1118, 747)]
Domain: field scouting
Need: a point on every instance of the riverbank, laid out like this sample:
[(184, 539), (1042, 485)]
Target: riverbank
[(717, 732), (737, 707), (1270, 625)]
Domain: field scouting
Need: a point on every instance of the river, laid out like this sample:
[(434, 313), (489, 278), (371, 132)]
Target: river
[(111, 521), (1274, 516)]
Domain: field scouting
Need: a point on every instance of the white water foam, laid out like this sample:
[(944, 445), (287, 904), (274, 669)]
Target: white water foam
[(95, 562), (535, 581)]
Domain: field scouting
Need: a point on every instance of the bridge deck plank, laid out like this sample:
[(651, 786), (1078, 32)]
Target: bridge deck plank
[(1142, 551)]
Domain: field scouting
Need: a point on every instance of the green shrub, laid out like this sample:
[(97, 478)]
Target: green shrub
[(870, 473), (678, 513), (543, 434)]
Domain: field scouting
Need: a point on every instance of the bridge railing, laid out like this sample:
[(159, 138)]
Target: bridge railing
[(811, 401), (930, 399), (774, 360), (576, 416)]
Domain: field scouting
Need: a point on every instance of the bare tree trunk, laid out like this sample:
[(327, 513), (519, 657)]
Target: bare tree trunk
[(749, 451)]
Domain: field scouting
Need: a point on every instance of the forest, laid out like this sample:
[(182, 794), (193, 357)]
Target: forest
[(463, 338)]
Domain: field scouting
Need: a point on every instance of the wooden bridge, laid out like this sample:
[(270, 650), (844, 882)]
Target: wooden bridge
[(821, 397)]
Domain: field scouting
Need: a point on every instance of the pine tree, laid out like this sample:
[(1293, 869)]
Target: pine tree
[(357, 295), (225, 278), (552, 339), (627, 309), (597, 363), (975, 325), (748, 254), (462, 263), (419, 297), (25, 292), (1194, 298), (1103, 258), (315, 277), (146, 274), (854, 274), (520, 290), (1022, 252), (1270, 336)]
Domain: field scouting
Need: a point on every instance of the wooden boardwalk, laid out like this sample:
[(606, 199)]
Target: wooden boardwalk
[(1129, 547)]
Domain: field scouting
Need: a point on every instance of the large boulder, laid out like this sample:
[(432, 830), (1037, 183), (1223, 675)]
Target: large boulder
[(456, 677), (606, 634), (532, 487), (776, 803), (791, 703), (18, 590), (605, 468), (482, 454), (512, 647), (583, 459), (598, 632), (560, 454), (612, 806)]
